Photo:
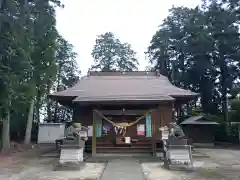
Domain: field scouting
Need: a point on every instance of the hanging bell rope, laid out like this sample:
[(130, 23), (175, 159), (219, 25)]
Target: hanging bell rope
[(122, 124)]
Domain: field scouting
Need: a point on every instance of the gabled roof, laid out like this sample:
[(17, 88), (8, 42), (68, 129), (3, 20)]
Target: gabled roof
[(197, 120), (123, 86)]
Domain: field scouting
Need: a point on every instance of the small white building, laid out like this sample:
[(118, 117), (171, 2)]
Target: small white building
[(49, 132)]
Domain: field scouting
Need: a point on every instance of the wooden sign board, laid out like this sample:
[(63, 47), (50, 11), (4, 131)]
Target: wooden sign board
[(90, 131), (165, 135), (83, 134), (165, 132), (140, 129), (127, 140)]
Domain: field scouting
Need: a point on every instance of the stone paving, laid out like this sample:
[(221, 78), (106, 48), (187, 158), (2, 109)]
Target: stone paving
[(155, 171), (210, 164), (228, 162), (43, 169), (123, 169)]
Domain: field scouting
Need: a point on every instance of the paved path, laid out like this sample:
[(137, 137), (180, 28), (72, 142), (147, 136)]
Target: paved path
[(123, 169)]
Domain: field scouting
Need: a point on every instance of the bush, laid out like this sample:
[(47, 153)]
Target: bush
[(231, 136)]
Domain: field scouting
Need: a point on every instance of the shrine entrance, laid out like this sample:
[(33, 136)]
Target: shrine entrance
[(122, 131), (109, 129)]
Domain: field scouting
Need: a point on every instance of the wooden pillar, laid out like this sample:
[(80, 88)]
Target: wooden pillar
[(156, 120), (94, 140), (173, 118)]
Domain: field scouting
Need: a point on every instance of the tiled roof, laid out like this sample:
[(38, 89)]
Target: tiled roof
[(197, 120), (110, 86)]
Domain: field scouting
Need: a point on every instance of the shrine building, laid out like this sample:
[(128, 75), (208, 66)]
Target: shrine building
[(123, 110)]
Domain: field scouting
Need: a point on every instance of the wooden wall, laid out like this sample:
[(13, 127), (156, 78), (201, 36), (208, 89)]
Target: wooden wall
[(200, 133), (161, 115), (83, 115)]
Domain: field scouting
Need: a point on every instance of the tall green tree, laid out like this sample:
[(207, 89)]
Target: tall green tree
[(68, 75), (111, 55), (180, 50), (29, 64), (226, 55), (43, 42), (199, 50), (14, 62)]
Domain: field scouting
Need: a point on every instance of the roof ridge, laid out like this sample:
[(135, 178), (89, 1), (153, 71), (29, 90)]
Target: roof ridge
[(122, 73)]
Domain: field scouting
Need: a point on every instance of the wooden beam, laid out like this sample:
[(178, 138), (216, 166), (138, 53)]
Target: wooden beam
[(126, 112), (94, 139)]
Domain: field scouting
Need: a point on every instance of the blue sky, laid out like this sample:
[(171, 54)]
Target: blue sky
[(132, 21)]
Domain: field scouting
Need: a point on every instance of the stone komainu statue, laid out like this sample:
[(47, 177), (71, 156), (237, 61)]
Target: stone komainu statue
[(73, 131), (176, 130)]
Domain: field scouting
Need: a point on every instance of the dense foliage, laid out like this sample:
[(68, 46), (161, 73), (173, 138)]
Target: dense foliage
[(110, 54), (199, 49), (34, 59)]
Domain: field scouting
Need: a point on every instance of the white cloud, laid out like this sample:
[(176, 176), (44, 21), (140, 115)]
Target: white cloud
[(132, 21)]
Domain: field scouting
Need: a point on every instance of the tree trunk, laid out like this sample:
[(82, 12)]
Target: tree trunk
[(28, 132), (55, 112), (6, 132), (225, 111), (224, 92), (1, 2), (58, 88), (49, 113), (38, 105)]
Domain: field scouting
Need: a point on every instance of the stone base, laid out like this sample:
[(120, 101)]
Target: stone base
[(160, 154), (69, 167), (71, 156), (203, 144)]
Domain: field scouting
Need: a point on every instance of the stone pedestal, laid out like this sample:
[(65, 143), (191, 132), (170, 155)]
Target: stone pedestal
[(72, 151), (73, 145), (71, 155)]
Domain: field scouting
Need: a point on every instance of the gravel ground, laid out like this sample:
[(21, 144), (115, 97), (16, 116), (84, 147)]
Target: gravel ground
[(209, 164), (43, 168), (228, 162)]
